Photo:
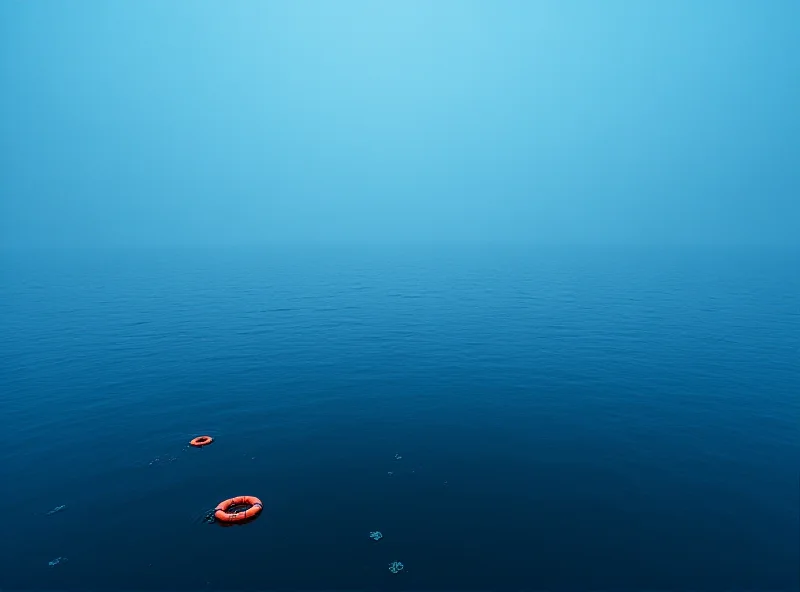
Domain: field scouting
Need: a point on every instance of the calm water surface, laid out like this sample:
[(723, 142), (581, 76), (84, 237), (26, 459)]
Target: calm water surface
[(567, 419)]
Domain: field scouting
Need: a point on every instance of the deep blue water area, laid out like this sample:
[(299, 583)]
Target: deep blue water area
[(566, 418)]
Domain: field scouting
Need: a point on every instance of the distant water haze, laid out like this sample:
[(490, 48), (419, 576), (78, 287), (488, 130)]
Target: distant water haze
[(244, 123)]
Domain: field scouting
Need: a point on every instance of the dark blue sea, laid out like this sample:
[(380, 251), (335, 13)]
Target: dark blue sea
[(566, 419)]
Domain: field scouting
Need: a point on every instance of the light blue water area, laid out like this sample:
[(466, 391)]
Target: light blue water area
[(584, 419)]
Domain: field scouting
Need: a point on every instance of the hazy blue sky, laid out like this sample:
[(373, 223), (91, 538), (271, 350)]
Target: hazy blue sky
[(192, 122)]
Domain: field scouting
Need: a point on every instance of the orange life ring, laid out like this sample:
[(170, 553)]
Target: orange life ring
[(222, 514), (201, 441)]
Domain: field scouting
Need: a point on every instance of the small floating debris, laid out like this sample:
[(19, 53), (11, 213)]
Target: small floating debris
[(395, 567), (56, 510), (376, 535), (56, 561), (397, 457), (390, 473), (209, 517), (163, 460), (445, 482)]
